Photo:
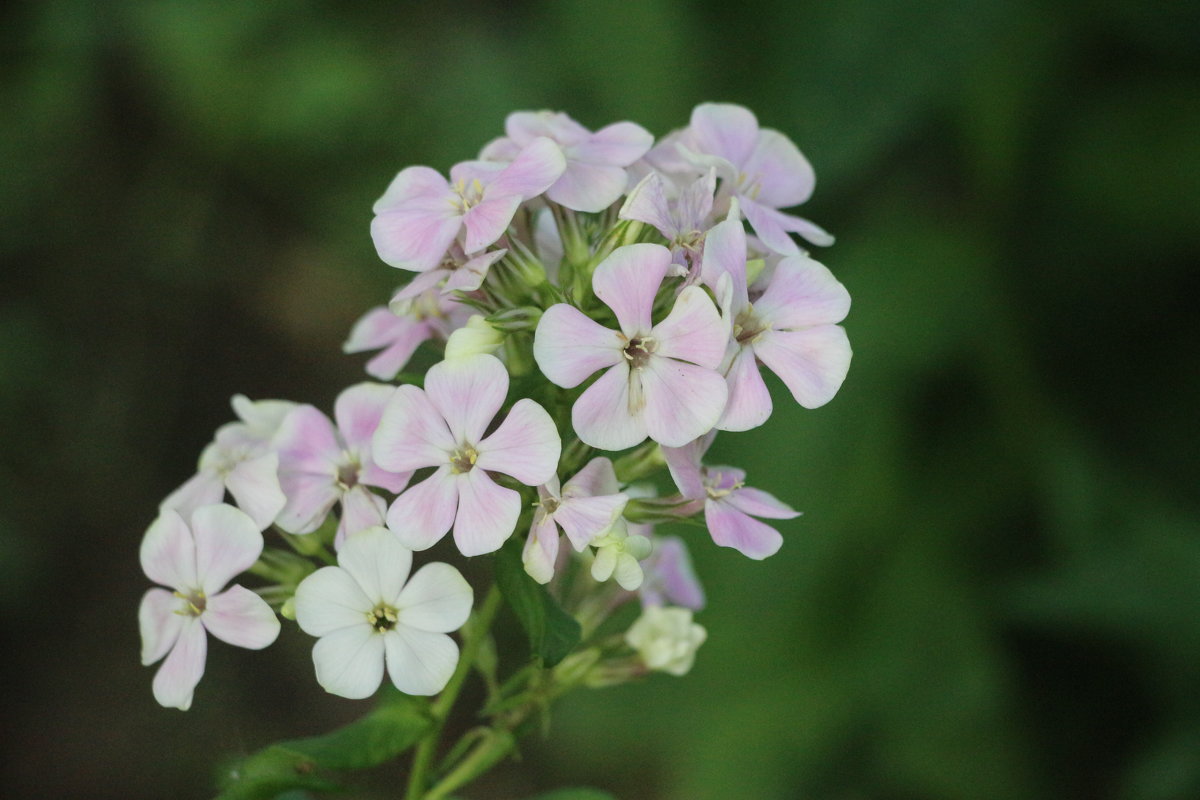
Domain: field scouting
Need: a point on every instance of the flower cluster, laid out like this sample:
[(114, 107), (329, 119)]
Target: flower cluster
[(601, 306)]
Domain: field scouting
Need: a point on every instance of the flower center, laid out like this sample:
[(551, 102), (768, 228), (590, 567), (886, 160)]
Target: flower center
[(550, 505), (639, 350), (463, 459), (720, 484), (469, 194), (195, 603), (382, 617), (748, 327), (347, 476)]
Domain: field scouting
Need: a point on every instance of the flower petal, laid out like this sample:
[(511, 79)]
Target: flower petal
[(684, 466), (627, 282), (725, 130), (309, 500), (377, 562), (589, 187), (239, 617), (329, 600), (487, 513), (361, 509), (419, 662), (254, 484), (357, 411), (227, 544), (487, 221), (802, 293), (812, 362), (307, 442), (694, 330), (671, 577), (597, 478), (202, 489), (619, 144), (437, 599), (725, 254), (749, 402), (525, 446), (412, 185), (647, 202), (758, 503), (412, 433), (158, 624), (168, 552), (568, 346), (780, 171), (416, 237), (604, 415), (683, 401), (541, 549), (176, 679), (349, 661), (585, 518), (533, 171), (424, 512), (467, 392), (732, 528), (768, 224)]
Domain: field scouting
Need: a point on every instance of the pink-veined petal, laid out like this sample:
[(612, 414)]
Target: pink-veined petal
[(254, 484), (732, 528), (471, 275), (309, 500), (467, 392), (239, 617), (694, 331), (768, 224), (525, 446), (802, 293), (158, 623), (307, 442), (585, 518), (412, 433), (725, 130), (696, 201), (627, 282), (202, 489), (812, 362), (417, 285), (684, 466), (412, 186), (378, 328), (487, 221), (619, 144), (749, 403), (568, 346), (436, 599), (419, 662), (377, 562), (758, 503), (683, 401), (361, 509), (416, 239), (541, 548), (597, 478), (168, 552), (487, 513), (670, 576), (782, 174), (424, 512), (349, 661), (725, 254), (357, 411), (227, 544), (647, 202), (606, 416), (588, 187), (533, 171), (329, 600), (176, 679)]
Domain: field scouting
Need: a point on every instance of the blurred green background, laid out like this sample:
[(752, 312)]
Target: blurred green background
[(995, 589)]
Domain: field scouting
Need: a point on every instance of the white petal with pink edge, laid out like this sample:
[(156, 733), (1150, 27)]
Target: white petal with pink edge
[(309, 499), (176, 679), (424, 512), (780, 172), (377, 562), (168, 552), (487, 513), (158, 624), (627, 282), (525, 446), (467, 392), (415, 239), (412, 433), (608, 415), (254, 484), (227, 544), (749, 402), (568, 346), (683, 401), (694, 330), (239, 617), (802, 293), (732, 528), (358, 410), (812, 362), (585, 518), (758, 503), (724, 129)]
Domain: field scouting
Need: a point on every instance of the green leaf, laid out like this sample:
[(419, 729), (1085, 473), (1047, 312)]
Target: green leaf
[(575, 793), (552, 632), (380, 736)]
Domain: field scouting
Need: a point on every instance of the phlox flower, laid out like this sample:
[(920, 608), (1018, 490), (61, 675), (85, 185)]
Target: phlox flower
[(398, 329), (670, 577), (321, 465), (659, 380), (595, 175), (762, 168), (456, 272), (239, 459), (368, 612), (443, 426), (666, 639), (729, 505), (585, 507), (196, 561), (682, 220), (421, 214), (791, 328)]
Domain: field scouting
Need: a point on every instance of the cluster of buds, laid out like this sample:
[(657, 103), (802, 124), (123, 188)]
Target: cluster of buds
[(602, 306)]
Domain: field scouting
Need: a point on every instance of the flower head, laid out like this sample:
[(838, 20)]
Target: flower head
[(368, 613), (196, 561), (399, 328), (666, 639), (444, 426)]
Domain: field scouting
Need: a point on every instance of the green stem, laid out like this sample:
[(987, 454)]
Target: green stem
[(441, 707)]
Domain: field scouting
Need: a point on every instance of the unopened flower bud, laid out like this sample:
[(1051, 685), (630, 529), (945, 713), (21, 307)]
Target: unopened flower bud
[(476, 337), (666, 639), (513, 320)]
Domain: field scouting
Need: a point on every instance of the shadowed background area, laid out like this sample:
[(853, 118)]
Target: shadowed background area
[(994, 591)]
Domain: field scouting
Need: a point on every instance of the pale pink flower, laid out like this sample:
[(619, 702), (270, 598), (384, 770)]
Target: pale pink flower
[(321, 465), (240, 460), (791, 328), (670, 577), (368, 613), (421, 214), (762, 168), (659, 380), (399, 328), (457, 272), (443, 426), (595, 175), (196, 561), (585, 507), (682, 218), (729, 505)]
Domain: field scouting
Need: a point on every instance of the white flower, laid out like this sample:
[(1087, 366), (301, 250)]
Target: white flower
[(366, 615), (666, 638), (617, 556), (197, 562)]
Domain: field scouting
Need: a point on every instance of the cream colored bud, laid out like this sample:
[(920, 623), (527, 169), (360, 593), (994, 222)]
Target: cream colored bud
[(476, 337), (666, 639)]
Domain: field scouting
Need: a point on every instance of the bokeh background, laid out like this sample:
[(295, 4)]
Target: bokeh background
[(995, 589)]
